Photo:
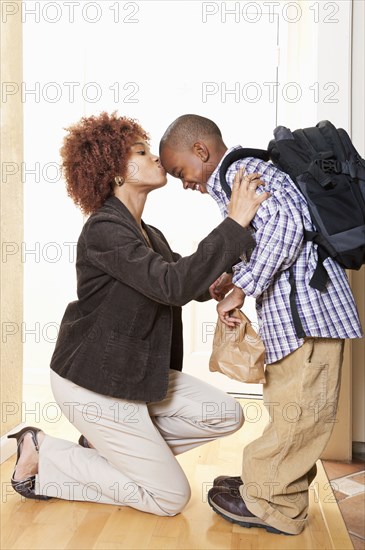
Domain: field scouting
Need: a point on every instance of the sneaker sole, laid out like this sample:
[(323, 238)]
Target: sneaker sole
[(253, 522)]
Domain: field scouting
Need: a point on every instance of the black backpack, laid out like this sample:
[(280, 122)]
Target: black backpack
[(330, 174)]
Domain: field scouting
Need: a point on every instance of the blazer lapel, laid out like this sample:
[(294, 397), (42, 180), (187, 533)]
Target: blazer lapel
[(157, 243)]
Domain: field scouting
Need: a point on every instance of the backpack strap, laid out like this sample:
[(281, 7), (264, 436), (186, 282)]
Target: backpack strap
[(320, 276), (318, 281), (293, 305), (233, 156)]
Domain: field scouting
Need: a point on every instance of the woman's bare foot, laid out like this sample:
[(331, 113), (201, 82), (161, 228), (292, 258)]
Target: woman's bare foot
[(28, 460)]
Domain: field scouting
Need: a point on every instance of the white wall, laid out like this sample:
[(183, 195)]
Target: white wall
[(316, 57)]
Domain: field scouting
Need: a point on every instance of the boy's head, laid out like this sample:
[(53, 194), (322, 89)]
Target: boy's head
[(191, 149)]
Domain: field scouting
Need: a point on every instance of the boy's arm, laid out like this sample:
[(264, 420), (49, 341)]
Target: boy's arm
[(279, 240)]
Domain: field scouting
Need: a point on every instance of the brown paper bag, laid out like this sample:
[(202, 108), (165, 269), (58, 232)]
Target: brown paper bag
[(238, 352)]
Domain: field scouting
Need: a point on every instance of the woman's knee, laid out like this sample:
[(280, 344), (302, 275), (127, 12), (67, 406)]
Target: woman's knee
[(226, 414), (236, 418), (174, 501)]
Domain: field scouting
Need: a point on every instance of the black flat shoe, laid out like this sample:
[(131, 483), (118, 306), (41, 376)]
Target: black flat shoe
[(26, 487), (84, 442)]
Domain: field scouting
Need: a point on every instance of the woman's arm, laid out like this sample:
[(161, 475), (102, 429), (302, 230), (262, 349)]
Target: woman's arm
[(176, 256), (113, 247)]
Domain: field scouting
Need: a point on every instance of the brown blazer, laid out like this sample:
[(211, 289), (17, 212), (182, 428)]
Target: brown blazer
[(124, 333)]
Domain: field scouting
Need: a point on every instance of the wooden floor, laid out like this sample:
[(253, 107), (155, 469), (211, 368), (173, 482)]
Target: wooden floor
[(27, 524)]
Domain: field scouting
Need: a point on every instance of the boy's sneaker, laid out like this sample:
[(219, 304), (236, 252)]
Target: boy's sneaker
[(228, 481), (228, 503)]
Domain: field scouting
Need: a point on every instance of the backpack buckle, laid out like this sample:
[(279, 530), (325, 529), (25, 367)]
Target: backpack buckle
[(330, 165)]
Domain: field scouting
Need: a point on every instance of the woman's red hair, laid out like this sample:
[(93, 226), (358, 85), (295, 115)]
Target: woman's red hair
[(94, 151)]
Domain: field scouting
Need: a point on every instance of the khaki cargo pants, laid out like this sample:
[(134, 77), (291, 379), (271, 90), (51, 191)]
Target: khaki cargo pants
[(301, 395)]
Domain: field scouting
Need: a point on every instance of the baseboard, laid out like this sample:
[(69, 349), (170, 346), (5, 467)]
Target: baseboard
[(7, 446), (256, 397), (358, 449)]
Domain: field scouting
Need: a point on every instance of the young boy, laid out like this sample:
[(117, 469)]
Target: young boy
[(303, 371)]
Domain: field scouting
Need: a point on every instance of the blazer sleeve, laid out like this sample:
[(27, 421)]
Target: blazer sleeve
[(114, 248), (203, 297)]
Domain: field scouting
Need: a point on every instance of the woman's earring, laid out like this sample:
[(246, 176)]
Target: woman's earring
[(119, 180)]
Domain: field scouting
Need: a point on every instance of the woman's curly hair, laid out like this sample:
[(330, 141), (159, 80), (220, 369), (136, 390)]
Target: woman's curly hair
[(94, 151)]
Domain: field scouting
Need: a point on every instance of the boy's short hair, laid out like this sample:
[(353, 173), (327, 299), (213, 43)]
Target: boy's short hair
[(183, 131)]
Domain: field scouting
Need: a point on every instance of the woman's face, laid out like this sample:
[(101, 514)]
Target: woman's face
[(143, 168)]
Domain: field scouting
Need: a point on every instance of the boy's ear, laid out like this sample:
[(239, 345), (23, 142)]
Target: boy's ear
[(201, 151)]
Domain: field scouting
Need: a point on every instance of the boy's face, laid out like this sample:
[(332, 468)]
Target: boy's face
[(188, 166)]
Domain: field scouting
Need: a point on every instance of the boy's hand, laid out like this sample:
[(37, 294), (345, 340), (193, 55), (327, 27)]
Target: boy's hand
[(234, 300), (221, 286)]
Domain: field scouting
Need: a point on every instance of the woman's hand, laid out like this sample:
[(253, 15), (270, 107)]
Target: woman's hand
[(244, 200), (221, 286), (234, 300)]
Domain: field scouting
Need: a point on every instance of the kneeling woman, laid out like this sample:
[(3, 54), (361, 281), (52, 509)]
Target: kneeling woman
[(116, 368)]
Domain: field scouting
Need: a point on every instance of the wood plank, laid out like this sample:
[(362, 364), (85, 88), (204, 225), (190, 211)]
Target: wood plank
[(126, 528)]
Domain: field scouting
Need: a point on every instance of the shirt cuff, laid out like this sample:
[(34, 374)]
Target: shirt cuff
[(244, 280)]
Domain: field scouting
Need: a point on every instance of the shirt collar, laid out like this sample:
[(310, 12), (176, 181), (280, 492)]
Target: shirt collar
[(213, 183)]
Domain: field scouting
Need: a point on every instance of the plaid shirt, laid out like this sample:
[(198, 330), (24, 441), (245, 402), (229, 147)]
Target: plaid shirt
[(278, 229)]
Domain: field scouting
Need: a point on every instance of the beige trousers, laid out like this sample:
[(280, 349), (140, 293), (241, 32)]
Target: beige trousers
[(133, 463), (301, 395)]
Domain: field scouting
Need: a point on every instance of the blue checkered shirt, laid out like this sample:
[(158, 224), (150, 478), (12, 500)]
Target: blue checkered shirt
[(278, 230)]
